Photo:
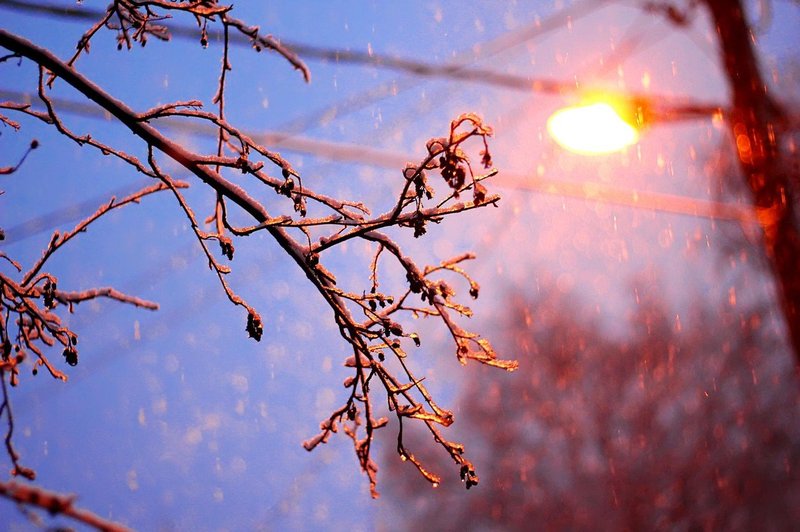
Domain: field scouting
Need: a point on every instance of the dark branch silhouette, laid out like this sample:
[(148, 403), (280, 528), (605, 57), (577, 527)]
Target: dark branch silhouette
[(369, 320)]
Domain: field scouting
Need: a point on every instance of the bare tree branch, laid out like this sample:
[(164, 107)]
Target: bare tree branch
[(56, 504), (371, 339)]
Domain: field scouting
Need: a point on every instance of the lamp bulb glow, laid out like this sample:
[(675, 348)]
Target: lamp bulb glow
[(592, 129)]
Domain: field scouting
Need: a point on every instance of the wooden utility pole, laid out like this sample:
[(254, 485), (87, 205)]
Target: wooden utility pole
[(756, 123)]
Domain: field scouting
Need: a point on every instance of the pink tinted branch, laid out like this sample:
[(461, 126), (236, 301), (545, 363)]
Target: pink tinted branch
[(56, 503), (5, 408), (172, 149), (70, 298), (359, 338), (59, 240)]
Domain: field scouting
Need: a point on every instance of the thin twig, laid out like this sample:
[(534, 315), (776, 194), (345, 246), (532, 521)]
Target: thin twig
[(56, 503)]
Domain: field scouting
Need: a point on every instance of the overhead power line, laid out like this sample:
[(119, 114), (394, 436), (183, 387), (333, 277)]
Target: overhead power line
[(360, 154), (682, 108), (462, 59)]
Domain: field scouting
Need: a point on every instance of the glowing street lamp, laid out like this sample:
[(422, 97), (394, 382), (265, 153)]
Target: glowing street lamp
[(594, 128)]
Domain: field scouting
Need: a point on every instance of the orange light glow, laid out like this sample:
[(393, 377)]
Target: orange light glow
[(591, 129)]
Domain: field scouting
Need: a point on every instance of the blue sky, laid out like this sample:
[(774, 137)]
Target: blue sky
[(174, 419)]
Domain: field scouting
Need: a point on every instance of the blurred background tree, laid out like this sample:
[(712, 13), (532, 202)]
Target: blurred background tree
[(671, 427), (688, 418)]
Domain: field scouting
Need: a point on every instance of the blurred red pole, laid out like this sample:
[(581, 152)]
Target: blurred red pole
[(756, 123)]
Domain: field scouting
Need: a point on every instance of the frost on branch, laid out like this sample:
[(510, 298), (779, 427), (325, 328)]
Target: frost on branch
[(378, 340), (373, 322)]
